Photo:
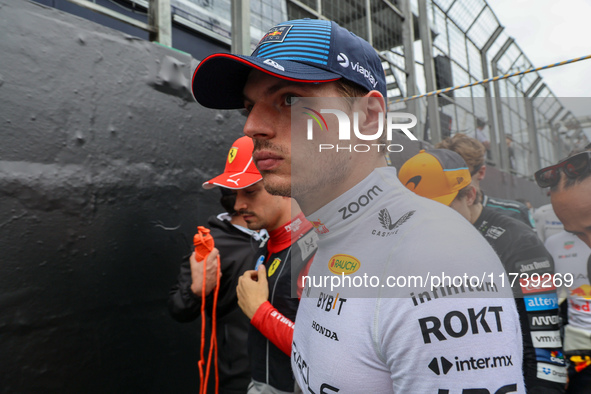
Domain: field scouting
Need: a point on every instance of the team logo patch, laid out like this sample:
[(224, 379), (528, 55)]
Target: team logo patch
[(319, 227), (273, 267), (276, 34), (343, 264), (494, 232), (232, 154), (569, 245)]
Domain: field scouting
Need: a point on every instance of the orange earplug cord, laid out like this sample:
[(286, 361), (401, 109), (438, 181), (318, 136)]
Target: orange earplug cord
[(204, 244)]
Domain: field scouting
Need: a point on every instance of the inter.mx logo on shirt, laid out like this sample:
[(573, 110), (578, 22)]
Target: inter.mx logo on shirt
[(468, 364)]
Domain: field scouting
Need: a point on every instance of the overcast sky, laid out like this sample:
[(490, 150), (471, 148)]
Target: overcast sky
[(550, 31)]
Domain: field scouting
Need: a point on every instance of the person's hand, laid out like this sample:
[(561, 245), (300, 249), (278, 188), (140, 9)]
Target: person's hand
[(210, 273), (252, 290)]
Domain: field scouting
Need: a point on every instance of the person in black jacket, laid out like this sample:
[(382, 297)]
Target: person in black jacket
[(473, 153), (529, 266), (238, 247)]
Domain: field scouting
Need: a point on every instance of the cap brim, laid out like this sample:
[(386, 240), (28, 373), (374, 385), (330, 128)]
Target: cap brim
[(225, 180), (219, 79), (446, 199)]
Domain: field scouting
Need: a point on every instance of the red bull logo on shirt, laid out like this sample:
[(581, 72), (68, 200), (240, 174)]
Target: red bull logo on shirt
[(343, 264), (580, 300), (583, 291), (319, 227)]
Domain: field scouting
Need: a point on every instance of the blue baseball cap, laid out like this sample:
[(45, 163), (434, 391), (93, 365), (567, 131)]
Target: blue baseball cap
[(303, 50)]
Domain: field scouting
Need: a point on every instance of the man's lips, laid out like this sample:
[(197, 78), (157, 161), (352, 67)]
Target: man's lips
[(266, 161)]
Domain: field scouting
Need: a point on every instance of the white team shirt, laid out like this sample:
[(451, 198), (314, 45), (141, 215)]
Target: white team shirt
[(404, 339), (570, 256), (547, 223)]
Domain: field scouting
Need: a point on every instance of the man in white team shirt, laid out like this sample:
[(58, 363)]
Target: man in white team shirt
[(406, 339), (571, 257)]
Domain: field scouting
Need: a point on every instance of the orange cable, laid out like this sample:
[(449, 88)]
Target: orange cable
[(204, 244)]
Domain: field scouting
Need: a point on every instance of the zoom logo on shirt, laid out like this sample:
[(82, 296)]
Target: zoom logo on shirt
[(362, 201), (456, 324)]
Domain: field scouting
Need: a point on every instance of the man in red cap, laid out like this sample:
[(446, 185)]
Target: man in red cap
[(264, 294), (238, 247)]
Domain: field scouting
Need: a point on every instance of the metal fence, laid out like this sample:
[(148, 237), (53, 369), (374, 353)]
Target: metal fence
[(426, 45)]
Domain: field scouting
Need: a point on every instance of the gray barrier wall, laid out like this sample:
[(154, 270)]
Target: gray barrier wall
[(102, 158)]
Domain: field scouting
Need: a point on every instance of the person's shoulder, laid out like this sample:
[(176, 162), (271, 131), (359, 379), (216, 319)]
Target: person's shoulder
[(221, 227), (510, 223)]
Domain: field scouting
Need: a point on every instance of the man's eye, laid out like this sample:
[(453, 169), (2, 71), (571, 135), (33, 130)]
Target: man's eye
[(290, 99)]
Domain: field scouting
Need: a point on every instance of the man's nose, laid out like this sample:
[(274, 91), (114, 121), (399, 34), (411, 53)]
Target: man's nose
[(240, 202), (259, 124)]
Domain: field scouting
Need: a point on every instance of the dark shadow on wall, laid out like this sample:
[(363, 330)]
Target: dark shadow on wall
[(102, 158)]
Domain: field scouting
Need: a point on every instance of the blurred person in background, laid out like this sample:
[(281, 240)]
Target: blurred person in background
[(570, 192), (445, 178), (473, 153)]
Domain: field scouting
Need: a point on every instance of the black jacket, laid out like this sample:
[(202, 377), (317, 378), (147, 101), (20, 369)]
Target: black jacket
[(237, 254), (523, 254), (512, 208)]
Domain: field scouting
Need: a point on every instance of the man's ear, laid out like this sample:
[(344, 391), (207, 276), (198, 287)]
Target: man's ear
[(471, 197), (481, 172), (371, 108)]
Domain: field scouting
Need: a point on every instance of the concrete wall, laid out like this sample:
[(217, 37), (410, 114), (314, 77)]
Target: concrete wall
[(102, 156)]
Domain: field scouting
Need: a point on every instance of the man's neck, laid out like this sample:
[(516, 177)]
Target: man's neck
[(475, 212), (238, 220), (314, 200)]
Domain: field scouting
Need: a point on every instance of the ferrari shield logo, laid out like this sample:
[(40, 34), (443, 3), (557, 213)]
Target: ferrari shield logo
[(273, 266), (232, 154)]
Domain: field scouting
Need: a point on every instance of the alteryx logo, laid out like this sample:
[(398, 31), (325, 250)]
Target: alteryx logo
[(345, 125), (541, 302)]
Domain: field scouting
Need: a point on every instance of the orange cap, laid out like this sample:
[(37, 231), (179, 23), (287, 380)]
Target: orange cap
[(240, 171), (437, 174)]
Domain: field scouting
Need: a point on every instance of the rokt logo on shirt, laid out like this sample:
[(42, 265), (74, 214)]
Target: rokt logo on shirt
[(343, 264), (456, 324)]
